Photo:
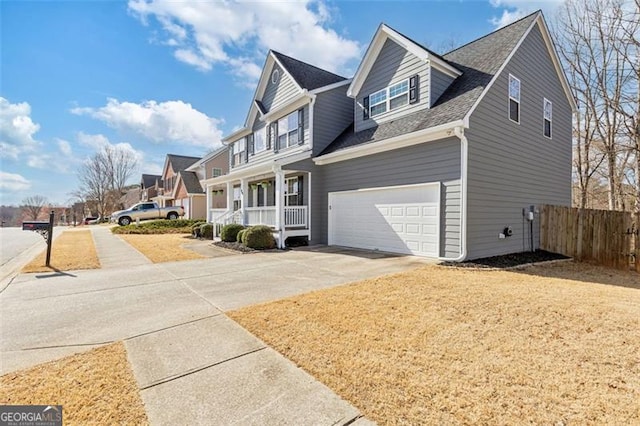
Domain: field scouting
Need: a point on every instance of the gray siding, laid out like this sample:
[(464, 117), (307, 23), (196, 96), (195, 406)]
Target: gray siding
[(276, 95), (439, 83), (512, 166), (333, 112), (428, 162), (393, 65)]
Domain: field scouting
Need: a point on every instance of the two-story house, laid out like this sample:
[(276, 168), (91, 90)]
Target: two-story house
[(444, 156), (188, 191), (173, 165)]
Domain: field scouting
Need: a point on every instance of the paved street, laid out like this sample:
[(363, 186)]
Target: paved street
[(14, 241)]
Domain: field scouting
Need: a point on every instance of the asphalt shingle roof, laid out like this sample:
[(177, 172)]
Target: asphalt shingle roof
[(150, 180), (479, 61), (181, 162), (191, 182), (307, 76)]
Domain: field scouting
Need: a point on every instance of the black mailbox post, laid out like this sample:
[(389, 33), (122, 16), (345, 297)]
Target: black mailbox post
[(43, 228)]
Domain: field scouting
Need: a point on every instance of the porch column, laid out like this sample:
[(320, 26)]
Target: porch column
[(229, 197), (244, 193), (208, 212), (279, 205)]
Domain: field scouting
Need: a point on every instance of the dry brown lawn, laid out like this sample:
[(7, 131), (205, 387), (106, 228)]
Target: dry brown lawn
[(72, 250), (162, 247), (555, 344), (95, 387)]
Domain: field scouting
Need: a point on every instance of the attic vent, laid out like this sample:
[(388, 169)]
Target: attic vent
[(275, 75)]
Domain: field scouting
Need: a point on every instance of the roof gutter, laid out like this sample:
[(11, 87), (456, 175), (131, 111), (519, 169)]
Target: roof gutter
[(415, 138)]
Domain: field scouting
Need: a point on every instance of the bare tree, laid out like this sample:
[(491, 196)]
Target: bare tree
[(596, 55), (33, 205), (104, 176)]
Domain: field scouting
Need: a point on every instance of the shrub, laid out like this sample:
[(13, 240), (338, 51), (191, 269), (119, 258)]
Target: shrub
[(259, 237), (229, 233), (240, 234), (161, 226), (206, 231)]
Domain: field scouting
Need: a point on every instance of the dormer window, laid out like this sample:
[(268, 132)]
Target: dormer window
[(393, 97)]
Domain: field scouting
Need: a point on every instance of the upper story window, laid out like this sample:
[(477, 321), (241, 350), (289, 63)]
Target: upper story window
[(392, 97), (259, 140), (288, 130), (216, 171), (514, 99), (378, 103), (238, 151), (547, 114)]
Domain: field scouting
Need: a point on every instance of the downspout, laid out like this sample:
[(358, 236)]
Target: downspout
[(464, 154), (312, 102)]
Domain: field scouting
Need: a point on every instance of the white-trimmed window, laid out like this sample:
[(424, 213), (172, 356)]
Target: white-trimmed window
[(378, 103), (288, 130), (388, 99), (514, 99), (398, 95), (547, 115), (259, 140), (216, 171), (291, 191), (238, 151)]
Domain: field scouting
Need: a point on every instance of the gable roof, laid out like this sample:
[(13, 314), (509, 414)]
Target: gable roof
[(480, 61), (180, 162), (307, 76), (384, 33), (149, 180), (191, 182), (213, 154)]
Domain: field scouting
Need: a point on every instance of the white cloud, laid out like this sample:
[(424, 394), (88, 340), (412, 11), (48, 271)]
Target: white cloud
[(17, 129), (238, 34), (64, 147), (512, 10), (13, 182), (160, 122)]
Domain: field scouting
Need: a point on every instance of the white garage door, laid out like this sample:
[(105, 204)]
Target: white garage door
[(401, 219)]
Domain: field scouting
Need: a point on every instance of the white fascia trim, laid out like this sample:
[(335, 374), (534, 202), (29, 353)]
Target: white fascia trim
[(252, 169), (556, 62), (444, 67), (236, 135), (499, 72), (402, 141), (206, 158), (299, 101), (382, 34), (285, 71), (331, 86)]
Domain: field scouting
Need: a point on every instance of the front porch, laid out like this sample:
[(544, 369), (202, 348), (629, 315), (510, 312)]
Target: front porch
[(278, 200)]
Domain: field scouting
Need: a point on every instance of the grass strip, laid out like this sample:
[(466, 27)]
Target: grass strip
[(94, 387), (72, 250), (163, 247), (557, 344)]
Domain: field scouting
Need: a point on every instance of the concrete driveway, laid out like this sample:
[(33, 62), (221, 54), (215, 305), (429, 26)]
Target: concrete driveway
[(179, 341)]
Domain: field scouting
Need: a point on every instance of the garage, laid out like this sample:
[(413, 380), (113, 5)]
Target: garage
[(184, 202), (398, 219)]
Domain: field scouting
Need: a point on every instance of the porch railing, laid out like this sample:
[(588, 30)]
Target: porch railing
[(261, 215), (295, 216), (216, 213)]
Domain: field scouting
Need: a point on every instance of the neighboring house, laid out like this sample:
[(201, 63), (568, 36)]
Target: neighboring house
[(211, 166), (149, 185), (438, 156), (173, 164)]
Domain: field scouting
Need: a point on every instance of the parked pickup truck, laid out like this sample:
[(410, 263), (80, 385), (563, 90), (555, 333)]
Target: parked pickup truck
[(146, 211)]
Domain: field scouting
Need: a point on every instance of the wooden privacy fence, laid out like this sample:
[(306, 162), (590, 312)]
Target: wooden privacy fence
[(609, 238)]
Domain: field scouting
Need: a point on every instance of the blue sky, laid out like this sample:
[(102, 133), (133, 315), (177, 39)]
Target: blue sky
[(174, 77)]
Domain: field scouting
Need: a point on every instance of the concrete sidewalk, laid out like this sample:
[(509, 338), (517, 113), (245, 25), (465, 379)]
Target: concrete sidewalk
[(113, 252), (192, 363)]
